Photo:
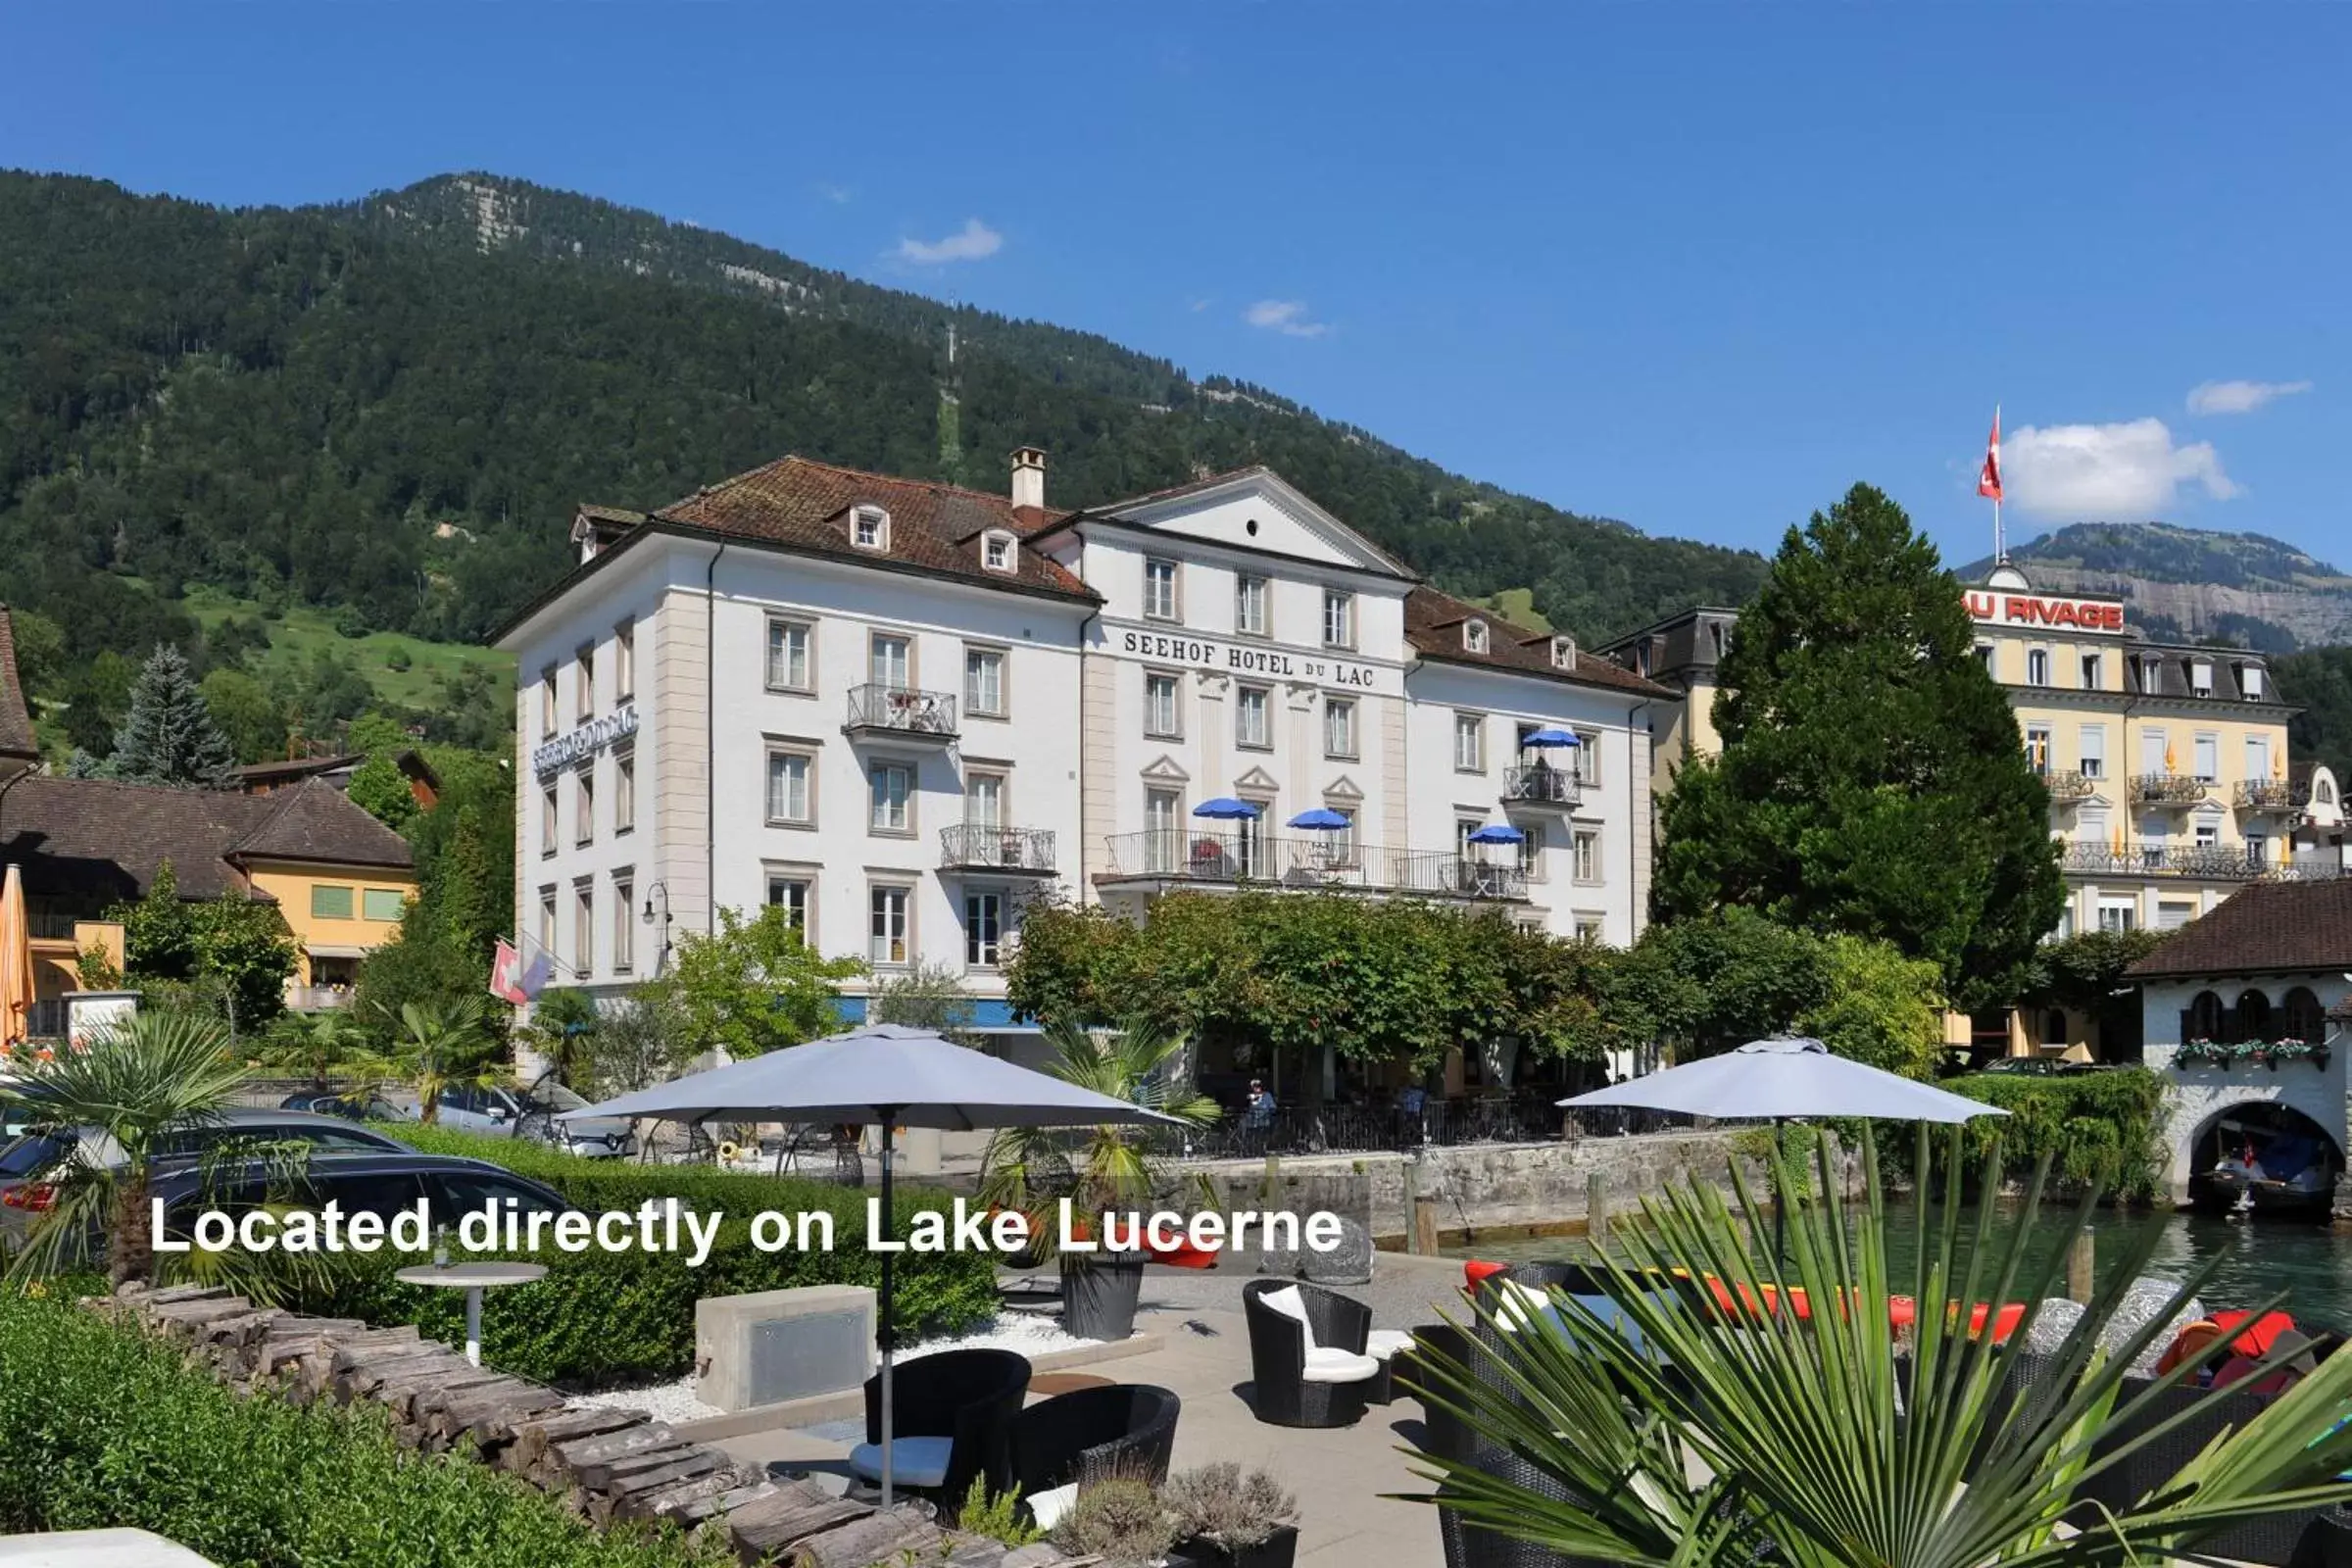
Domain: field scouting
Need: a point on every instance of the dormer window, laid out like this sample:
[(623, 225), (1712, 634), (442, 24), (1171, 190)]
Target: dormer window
[(1000, 552), (2200, 677), (1563, 652), (870, 528), (2249, 681), (1474, 636)]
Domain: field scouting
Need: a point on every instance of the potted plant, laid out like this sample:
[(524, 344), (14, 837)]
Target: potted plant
[(1120, 1519), (1224, 1516), (1030, 1169)]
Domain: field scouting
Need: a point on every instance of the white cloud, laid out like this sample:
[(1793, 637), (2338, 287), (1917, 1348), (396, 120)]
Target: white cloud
[(972, 242), (2123, 473), (2239, 397), (1287, 316), (838, 195)]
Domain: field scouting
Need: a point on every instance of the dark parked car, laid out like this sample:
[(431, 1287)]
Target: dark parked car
[(351, 1104), (384, 1184)]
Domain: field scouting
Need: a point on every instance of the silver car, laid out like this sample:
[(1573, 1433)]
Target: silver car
[(530, 1113)]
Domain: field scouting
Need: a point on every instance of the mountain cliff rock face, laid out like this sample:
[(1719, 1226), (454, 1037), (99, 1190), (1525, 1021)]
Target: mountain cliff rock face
[(2195, 584)]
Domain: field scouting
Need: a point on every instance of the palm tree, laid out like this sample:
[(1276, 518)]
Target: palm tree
[(318, 1044), (1728, 1430), (442, 1043), (1111, 1168), (139, 1081)]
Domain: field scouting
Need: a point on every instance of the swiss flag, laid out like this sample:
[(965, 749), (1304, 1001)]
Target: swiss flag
[(1988, 477), (505, 974)]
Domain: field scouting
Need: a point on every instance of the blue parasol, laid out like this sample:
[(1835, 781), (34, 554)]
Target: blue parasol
[(1225, 809), (1322, 819), (1550, 738), (1497, 833)]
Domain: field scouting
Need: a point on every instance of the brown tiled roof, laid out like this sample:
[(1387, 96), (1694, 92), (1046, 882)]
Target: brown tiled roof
[(411, 762), (95, 839), (1433, 624), (2267, 928), (16, 724), (933, 527)]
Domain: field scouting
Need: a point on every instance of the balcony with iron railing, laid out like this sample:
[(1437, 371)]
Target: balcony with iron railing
[(2264, 794), (880, 711), (2068, 787), (1014, 850), (2169, 789), (1541, 784), (1320, 863), (2208, 862)]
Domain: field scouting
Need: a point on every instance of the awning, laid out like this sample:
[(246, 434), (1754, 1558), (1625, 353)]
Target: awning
[(989, 1015), (328, 950)]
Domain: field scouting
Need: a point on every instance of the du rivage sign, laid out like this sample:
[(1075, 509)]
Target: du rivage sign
[(586, 741), (1997, 608), (1238, 659)]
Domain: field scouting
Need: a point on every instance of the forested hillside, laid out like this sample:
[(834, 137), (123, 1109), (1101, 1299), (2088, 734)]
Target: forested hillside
[(2193, 584), (388, 410)]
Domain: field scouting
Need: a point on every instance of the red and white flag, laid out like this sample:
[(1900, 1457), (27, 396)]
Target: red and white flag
[(1988, 477), (505, 974)]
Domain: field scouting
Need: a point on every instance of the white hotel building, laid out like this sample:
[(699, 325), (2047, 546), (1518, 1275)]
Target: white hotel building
[(905, 710)]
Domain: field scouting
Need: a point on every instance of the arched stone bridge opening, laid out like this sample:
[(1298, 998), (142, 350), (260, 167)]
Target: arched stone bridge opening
[(2258, 1051)]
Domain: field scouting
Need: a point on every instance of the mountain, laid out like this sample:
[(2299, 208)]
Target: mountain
[(387, 410), (2193, 584)]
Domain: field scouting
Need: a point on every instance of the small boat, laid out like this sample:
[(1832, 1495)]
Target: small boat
[(2287, 1175)]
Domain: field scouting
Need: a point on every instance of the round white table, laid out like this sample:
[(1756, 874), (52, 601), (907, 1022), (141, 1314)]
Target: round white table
[(474, 1279)]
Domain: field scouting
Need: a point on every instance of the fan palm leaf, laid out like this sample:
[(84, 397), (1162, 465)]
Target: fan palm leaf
[(1729, 1427)]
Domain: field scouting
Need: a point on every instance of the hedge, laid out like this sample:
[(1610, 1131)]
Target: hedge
[(2096, 1126), (106, 1428), (603, 1318)]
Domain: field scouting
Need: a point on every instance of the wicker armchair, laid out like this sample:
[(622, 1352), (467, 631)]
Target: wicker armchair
[(969, 1397), (1450, 1436), (1285, 1395), (1125, 1429), (2272, 1539)]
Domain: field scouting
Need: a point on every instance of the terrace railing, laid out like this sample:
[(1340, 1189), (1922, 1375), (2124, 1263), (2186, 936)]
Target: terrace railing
[(2205, 860), (968, 846), (901, 710), (2068, 785), (2264, 794), (1541, 784), (2168, 789), (1319, 862)]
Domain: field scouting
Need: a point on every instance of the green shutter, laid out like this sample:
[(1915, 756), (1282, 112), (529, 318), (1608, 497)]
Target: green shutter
[(381, 904), (330, 903)]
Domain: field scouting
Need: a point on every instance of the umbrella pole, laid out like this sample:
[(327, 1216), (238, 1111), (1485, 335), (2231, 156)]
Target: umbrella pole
[(888, 1331), (1780, 1198)]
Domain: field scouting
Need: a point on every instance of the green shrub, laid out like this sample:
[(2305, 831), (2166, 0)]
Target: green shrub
[(601, 1318), (106, 1428), (2094, 1125)]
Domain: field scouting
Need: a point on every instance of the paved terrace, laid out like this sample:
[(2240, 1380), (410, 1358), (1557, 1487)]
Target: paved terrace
[(1339, 1475)]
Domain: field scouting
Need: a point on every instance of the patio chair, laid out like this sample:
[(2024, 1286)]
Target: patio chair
[(951, 1420), (1450, 1436), (1307, 1354), (1074, 1440)]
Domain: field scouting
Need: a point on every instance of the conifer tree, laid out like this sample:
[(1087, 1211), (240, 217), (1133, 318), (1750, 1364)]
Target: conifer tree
[(167, 736), (1871, 778)]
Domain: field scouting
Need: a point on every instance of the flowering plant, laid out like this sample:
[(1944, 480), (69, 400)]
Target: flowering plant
[(2231, 1053)]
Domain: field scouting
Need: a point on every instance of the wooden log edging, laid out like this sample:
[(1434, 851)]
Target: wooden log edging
[(604, 1464)]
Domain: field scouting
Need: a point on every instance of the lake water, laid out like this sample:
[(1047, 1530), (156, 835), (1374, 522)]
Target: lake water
[(2312, 1263)]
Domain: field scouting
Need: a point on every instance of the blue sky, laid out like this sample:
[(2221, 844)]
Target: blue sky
[(1694, 268)]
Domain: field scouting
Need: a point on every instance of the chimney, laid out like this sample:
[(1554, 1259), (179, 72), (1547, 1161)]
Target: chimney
[(1029, 478)]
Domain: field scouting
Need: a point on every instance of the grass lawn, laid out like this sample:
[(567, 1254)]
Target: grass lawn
[(303, 629)]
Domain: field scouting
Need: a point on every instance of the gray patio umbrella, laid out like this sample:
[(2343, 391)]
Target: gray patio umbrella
[(885, 1073), (1787, 1078)]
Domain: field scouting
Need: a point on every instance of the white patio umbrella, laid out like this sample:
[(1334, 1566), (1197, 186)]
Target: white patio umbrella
[(1787, 1078), (884, 1073)]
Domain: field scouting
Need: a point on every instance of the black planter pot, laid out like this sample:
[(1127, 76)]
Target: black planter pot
[(1277, 1551), (1098, 1294)]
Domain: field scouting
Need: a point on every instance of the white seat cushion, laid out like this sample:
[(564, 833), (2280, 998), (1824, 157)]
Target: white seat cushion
[(1381, 1343), (1047, 1506), (1289, 1304), (1519, 1305), (914, 1462), (1338, 1366)]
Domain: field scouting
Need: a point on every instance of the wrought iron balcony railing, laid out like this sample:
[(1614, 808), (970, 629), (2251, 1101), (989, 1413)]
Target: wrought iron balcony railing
[(1320, 863), (877, 708), (975, 846), (2264, 794), (2207, 861), (1541, 784), (2168, 789), (2068, 786)]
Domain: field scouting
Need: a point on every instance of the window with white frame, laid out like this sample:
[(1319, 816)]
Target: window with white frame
[(2200, 677), (2207, 749), (2037, 748), (1584, 855), (547, 700), (892, 789), (984, 682), (583, 809), (2258, 759), (2037, 666), (1163, 716), (2118, 915), (1249, 617), (1531, 850), (624, 660), (1000, 552), (624, 923), (983, 799), (1474, 636), (1985, 657), (1588, 928), (791, 788), (788, 662), (2249, 680), (583, 926), (548, 827), (1159, 589), (2208, 832), (791, 894), (891, 662), (1339, 728), (889, 912), (1463, 828), (583, 683), (1336, 846), (547, 921), (870, 528), (1163, 831), (2094, 672), (625, 788), (1339, 618), (2092, 738), (1584, 759), (1470, 743), (982, 929), (1253, 726)]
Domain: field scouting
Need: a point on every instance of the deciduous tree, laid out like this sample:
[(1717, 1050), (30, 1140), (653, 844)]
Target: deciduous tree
[(752, 985)]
